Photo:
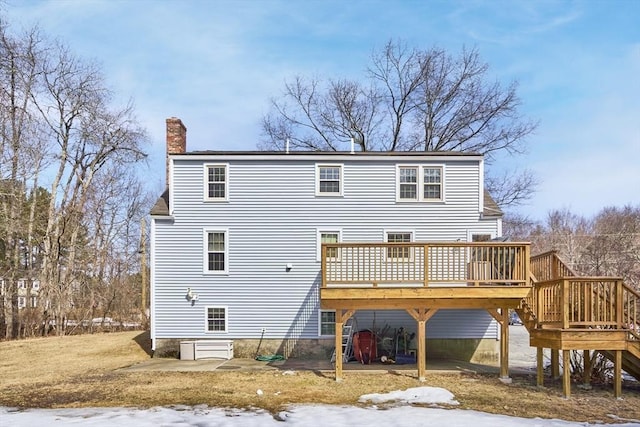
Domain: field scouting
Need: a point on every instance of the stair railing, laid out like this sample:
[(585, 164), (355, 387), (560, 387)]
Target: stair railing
[(561, 298), (631, 311)]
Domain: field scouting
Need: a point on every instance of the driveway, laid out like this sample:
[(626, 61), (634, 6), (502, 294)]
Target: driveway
[(520, 354)]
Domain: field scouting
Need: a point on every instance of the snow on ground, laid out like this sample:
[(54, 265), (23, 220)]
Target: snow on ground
[(412, 395), (397, 415)]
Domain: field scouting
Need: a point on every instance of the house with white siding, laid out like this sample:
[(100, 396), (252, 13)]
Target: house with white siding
[(282, 249)]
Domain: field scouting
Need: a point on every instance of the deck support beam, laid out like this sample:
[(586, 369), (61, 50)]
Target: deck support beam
[(502, 317), (341, 317), (555, 363), (566, 373), (617, 374), (422, 315), (540, 366), (586, 368)]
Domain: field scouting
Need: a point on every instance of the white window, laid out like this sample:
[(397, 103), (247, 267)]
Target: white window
[(329, 236), (408, 185), (36, 285), (22, 284), (216, 179), (399, 253), (216, 249), (34, 302), (329, 180), (2, 287), (432, 183), (327, 324), (420, 183), (216, 319), (22, 302)]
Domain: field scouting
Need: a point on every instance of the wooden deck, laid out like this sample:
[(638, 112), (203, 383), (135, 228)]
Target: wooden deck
[(422, 278), (561, 311)]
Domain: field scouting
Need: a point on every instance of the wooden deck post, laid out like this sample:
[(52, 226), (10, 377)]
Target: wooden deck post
[(555, 267), (425, 252), (566, 373), (555, 363), (323, 265), (422, 350), (565, 304), (540, 366), (619, 304), (504, 345), (527, 262), (338, 351), (422, 316), (341, 317), (617, 374), (586, 365)]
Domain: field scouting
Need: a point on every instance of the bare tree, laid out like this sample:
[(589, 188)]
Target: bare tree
[(606, 245), (412, 100), (518, 227), (59, 130), (22, 152), (511, 188), (615, 246), (89, 135)]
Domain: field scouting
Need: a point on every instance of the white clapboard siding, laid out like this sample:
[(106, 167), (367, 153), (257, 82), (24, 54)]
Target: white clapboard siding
[(272, 217)]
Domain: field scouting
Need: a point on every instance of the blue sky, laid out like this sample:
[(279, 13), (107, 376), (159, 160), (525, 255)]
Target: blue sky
[(215, 64)]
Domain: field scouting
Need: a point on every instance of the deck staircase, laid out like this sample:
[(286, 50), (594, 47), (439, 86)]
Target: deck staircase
[(565, 311)]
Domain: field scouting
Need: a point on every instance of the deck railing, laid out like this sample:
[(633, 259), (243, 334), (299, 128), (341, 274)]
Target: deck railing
[(424, 264), (549, 266), (563, 299), (586, 302)]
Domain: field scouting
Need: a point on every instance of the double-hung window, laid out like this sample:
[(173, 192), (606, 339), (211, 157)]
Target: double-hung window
[(399, 252), (329, 236), (432, 183), (408, 185), (329, 180), (216, 320), (327, 322), (216, 250), (216, 179), (420, 183)]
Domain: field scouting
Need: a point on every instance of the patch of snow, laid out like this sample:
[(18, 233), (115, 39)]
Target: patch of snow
[(425, 395), (296, 416)]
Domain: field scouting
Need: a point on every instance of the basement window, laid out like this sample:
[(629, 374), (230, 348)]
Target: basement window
[(327, 323), (216, 319)]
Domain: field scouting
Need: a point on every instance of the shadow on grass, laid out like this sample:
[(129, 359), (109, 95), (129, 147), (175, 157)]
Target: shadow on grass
[(143, 339)]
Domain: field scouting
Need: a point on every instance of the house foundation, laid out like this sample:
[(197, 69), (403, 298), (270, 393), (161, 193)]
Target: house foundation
[(482, 351)]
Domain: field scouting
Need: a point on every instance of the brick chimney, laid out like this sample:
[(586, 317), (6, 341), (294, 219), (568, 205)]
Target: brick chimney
[(176, 140)]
